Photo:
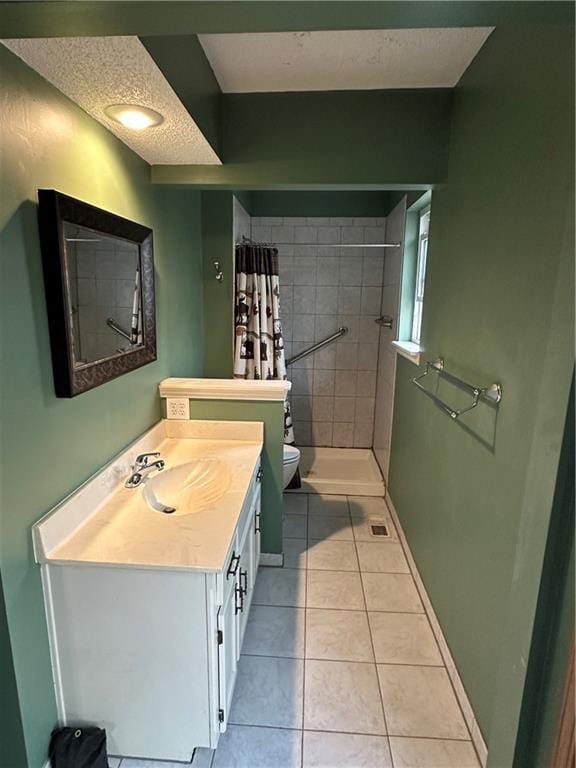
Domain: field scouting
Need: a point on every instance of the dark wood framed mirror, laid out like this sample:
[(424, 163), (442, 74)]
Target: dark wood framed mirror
[(99, 281)]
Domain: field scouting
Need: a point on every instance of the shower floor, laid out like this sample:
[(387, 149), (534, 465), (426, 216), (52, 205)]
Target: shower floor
[(346, 471)]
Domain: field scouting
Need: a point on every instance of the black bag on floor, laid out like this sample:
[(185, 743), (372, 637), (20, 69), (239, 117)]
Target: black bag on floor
[(78, 748)]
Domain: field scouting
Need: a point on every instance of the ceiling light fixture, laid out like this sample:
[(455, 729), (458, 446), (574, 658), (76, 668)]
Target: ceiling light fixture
[(134, 116)]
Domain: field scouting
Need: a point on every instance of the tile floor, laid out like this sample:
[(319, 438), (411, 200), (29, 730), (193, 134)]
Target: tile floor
[(340, 668)]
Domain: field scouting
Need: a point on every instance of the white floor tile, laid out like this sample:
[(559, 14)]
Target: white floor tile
[(333, 555), (319, 504), (114, 762), (403, 638), (391, 592), (280, 586), (274, 631), (295, 553), (381, 558), (248, 747), (334, 589), (342, 696), (295, 503), (294, 526), (338, 635), (268, 692), (433, 753), (330, 528), (368, 506), (345, 750), (419, 701)]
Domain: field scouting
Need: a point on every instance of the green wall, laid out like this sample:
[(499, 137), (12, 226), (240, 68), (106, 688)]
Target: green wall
[(554, 626), (374, 139), (305, 203), (174, 17), (183, 62), (218, 245), (272, 414), (51, 445), (475, 497), (12, 752)]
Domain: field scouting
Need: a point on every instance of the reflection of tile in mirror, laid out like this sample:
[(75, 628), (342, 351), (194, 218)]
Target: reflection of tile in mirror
[(102, 273)]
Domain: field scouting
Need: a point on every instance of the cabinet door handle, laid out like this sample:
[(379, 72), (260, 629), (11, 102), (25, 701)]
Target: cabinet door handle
[(244, 581), (238, 599), (257, 528), (233, 566)]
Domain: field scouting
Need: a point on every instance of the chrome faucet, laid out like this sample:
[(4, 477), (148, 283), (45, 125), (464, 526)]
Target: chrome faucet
[(142, 466)]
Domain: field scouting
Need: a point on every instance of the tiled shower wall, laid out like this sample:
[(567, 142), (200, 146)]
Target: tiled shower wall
[(322, 289), (395, 229), (102, 277)]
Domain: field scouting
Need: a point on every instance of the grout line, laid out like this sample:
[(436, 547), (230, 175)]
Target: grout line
[(359, 610), (341, 661), (373, 649), (409, 559), (365, 610), (348, 733), (339, 570), (304, 641), (429, 738), (271, 727)]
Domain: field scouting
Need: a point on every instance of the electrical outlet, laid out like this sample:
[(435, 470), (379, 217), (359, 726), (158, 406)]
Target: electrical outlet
[(177, 408)]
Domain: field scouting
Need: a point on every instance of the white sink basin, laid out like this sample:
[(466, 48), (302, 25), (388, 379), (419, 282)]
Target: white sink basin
[(187, 488)]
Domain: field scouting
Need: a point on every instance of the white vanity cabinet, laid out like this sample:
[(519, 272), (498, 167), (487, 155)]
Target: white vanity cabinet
[(151, 653), (232, 614)]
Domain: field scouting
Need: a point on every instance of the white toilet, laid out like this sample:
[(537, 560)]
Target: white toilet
[(291, 460)]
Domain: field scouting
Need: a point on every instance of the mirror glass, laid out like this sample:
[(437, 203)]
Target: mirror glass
[(105, 296)]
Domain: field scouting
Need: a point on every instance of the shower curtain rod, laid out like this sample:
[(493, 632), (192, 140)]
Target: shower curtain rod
[(246, 240)]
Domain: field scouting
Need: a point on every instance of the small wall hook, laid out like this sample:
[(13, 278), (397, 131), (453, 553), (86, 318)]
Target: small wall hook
[(219, 273)]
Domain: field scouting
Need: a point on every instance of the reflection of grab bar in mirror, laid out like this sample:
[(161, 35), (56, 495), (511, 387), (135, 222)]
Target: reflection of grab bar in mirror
[(115, 327)]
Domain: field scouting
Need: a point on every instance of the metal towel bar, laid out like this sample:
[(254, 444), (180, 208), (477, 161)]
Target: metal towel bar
[(492, 393), (340, 332)]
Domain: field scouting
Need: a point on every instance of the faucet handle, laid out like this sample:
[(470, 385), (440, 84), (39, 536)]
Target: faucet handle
[(142, 458)]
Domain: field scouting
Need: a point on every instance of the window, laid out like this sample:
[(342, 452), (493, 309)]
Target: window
[(424, 224), (415, 257)]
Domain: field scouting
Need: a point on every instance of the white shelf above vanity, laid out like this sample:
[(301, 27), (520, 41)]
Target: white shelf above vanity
[(146, 610)]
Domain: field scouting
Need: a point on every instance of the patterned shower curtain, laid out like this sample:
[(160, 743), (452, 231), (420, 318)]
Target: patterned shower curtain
[(259, 346)]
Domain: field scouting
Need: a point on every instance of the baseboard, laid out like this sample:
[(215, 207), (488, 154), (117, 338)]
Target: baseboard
[(459, 690), (271, 559)]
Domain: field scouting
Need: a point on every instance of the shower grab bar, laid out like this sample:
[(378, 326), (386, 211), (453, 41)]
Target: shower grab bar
[(110, 322), (328, 340), (492, 393)]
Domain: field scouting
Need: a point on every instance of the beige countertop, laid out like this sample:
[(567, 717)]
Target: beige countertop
[(124, 531)]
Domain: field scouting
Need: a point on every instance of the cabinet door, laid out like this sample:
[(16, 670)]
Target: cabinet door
[(249, 559), (245, 582), (256, 533), (227, 654)]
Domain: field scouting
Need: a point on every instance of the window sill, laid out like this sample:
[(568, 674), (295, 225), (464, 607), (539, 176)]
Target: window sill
[(409, 350)]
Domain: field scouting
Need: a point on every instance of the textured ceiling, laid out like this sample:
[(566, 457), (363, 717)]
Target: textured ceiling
[(98, 71), (350, 60)]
